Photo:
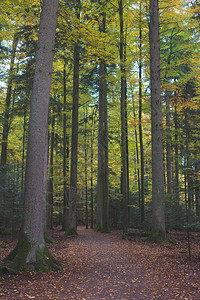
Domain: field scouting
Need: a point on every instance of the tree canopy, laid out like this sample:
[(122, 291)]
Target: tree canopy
[(113, 54)]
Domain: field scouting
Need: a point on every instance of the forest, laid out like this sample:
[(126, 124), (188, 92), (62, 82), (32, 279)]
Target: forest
[(99, 121)]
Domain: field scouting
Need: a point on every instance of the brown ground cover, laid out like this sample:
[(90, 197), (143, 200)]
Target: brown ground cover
[(104, 266)]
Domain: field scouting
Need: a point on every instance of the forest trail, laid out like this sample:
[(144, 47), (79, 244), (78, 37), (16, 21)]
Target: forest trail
[(103, 266)]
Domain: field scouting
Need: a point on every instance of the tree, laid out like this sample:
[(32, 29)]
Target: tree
[(99, 54), (31, 250), (74, 142), (140, 117), (92, 168), (176, 153), (158, 217), (50, 182), (124, 161), (86, 168), (65, 152), (102, 183)]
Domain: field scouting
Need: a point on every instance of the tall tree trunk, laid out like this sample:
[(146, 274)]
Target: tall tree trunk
[(45, 219), (86, 172), (124, 183), (74, 140), (176, 178), (140, 120), (197, 189), (6, 119), (169, 205), (126, 125), (137, 159), (102, 180), (31, 249), (23, 151), (168, 146), (50, 183), (188, 169), (158, 217), (168, 129), (65, 156), (92, 170)]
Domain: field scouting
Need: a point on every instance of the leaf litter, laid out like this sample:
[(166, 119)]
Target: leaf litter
[(100, 266)]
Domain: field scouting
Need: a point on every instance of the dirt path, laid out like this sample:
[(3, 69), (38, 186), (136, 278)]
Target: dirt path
[(103, 266)]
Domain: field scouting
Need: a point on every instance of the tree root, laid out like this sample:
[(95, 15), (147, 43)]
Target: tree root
[(16, 261)]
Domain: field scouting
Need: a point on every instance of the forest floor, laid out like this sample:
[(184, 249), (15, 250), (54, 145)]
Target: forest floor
[(104, 266)]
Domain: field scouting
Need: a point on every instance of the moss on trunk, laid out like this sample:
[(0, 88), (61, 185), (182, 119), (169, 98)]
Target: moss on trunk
[(71, 231), (157, 236), (45, 261), (48, 238), (98, 228), (17, 259)]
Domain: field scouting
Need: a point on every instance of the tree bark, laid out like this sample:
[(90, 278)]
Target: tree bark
[(137, 160), (188, 169), (65, 156), (168, 129), (176, 175), (168, 147), (126, 126), (158, 217), (50, 183), (124, 178), (74, 141), (91, 176), (140, 121), (31, 249), (23, 152), (86, 170), (197, 189), (102, 180)]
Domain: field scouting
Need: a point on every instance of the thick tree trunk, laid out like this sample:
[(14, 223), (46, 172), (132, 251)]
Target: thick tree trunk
[(158, 217), (31, 249), (74, 141)]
